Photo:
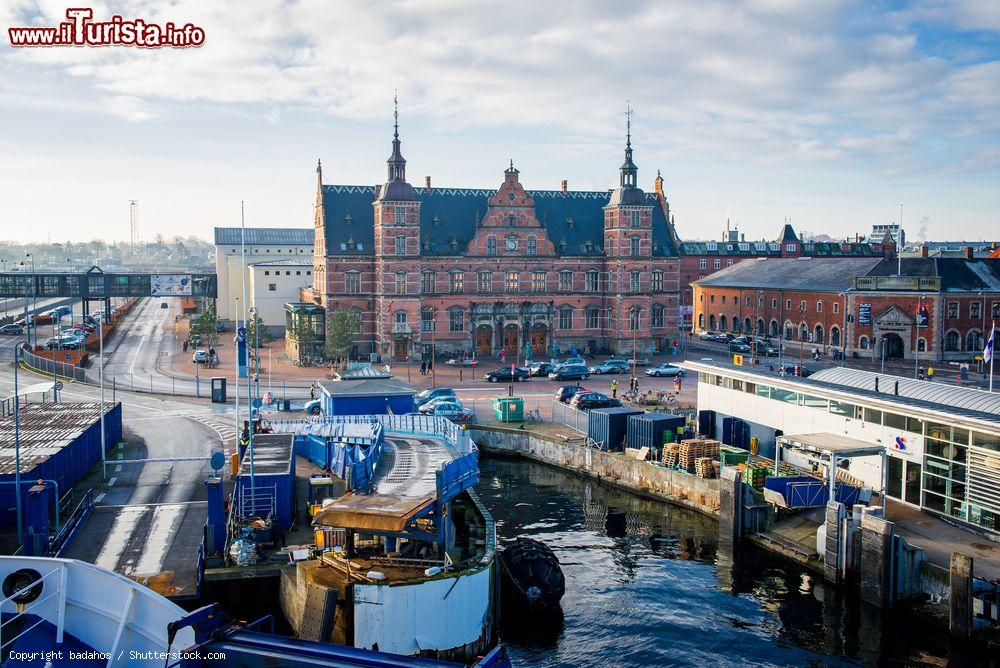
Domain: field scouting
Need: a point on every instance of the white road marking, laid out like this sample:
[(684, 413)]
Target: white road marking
[(111, 483), (118, 537), (121, 446), (99, 498), (166, 520), (118, 469)]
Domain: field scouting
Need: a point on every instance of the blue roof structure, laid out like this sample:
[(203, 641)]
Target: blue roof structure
[(256, 236)]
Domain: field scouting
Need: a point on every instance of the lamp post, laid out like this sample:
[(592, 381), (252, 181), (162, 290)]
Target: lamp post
[(916, 342), (17, 444), (34, 296), (250, 409)]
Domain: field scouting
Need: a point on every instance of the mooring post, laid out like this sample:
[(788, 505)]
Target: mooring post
[(730, 507), (960, 583)]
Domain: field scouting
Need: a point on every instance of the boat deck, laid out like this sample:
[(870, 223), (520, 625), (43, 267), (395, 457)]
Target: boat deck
[(156, 544)]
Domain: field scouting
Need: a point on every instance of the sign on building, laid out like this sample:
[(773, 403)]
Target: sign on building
[(864, 314), (922, 316), (170, 285)]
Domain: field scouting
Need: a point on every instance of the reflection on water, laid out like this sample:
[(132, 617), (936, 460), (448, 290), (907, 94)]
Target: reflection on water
[(646, 585)]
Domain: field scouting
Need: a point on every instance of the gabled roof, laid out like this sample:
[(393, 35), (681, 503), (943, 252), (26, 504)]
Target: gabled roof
[(831, 274), (787, 235), (255, 236), (448, 219)]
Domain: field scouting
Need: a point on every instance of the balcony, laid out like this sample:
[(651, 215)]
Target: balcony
[(401, 329)]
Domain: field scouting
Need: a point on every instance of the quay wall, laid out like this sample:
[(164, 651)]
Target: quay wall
[(613, 468)]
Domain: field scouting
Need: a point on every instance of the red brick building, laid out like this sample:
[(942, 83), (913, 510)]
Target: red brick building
[(699, 259), (485, 270), (934, 308)]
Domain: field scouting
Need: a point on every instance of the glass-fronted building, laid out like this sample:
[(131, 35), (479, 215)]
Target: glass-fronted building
[(943, 442)]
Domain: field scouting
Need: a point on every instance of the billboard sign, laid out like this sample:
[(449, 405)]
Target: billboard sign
[(170, 285), (864, 314), (922, 316)]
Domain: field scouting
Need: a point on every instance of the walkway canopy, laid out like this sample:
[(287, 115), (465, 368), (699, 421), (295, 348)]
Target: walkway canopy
[(830, 447)]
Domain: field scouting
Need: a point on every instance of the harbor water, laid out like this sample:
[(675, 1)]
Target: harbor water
[(646, 585)]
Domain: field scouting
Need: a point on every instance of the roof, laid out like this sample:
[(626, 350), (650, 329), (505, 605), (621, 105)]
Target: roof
[(838, 444), (957, 274), (306, 261), (830, 274), (787, 235), (255, 236), (903, 404), (448, 219), (361, 372), (366, 387), (760, 248), (45, 429), (939, 393), (272, 455)]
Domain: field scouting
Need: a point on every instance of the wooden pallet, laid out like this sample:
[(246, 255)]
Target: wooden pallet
[(704, 467), (670, 454), (692, 449)]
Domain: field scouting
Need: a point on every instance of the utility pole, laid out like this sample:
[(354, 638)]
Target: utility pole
[(133, 225)]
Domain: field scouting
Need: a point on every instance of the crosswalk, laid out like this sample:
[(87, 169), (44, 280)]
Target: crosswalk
[(221, 423)]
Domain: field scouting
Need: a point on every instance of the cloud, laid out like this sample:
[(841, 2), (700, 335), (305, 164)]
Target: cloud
[(128, 108)]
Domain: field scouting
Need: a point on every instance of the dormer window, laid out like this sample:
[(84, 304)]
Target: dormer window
[(760, 246), (491, 246), (712, 247), (744, 247), (348, 220), (790, 248), (775, 247)]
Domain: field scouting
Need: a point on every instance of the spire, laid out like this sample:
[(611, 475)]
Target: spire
[(628, 169), (397, 165)]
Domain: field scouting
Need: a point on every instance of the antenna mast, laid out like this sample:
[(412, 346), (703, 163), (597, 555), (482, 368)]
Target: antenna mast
[(133, 223)]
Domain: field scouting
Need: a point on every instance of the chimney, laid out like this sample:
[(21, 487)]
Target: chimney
[(564, 186), (924, 254), (968, 253), (427, 183), (743, 236)]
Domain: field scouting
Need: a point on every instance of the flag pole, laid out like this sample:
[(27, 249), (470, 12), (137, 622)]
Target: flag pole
[(992, 349)]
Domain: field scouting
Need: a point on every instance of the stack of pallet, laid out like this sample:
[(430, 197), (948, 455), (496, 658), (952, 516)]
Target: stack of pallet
[(670, 454), (754, 474), (704, 467), (694, 448)]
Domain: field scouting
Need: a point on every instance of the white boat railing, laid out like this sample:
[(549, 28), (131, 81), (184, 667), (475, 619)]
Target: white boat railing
[(33, 607)]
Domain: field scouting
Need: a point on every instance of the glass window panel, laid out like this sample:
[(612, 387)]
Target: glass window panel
[(841, 408), (873, 416)]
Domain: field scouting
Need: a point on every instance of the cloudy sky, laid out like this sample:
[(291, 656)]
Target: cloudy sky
[(830, 112)]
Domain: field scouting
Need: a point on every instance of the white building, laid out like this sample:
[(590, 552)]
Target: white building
[(273, 283), (942, 441), (261, 244)]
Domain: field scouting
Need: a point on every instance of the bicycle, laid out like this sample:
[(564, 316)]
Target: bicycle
[(533, 416)]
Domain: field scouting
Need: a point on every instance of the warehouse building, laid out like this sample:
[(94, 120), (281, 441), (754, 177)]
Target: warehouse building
[(943, 442)]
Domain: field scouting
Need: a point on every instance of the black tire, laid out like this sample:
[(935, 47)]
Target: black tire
[(314, 410)]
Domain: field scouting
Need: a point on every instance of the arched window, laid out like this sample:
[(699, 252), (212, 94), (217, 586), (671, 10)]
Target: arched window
[(722, 323), (819, 334), (921, 345), (747, 325), (701, 321), (760, 327), (711, 322), (656, 316), (803, 332), (835, 336), (952, 341), (863, 343), (974, 341), (788, 329), (512, 220), (774, 328)]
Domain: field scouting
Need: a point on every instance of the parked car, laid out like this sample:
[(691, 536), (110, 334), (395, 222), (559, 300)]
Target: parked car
[(708, 335), (803, 372), (468, 361), (83, 327), (541, 369), (641, 361), (429, 394), (504, 375), (572, 360), (587, 400), (725, 337), (454, 411), (609, 367), (768, 349), (665, 369), (739, 347), (565, 392), (570, 372), (11, 328), (200, 357), (427, 408)]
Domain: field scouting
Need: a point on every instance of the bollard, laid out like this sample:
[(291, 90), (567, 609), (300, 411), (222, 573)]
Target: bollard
[(150, 382), (173, 385)]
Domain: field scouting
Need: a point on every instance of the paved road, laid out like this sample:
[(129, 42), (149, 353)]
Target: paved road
[(15, 308)]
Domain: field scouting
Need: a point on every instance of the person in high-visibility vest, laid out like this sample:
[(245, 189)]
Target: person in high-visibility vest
[(614, 389)]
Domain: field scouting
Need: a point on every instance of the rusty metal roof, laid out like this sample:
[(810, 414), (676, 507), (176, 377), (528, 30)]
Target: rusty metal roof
[(45, 428)]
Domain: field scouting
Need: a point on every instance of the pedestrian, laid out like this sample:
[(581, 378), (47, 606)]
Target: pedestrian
[(677, 384), (185, 346), (614, 389), (503, 355), (423, 368), (930, 373), (312, 392), (430, 365), (920, 374)]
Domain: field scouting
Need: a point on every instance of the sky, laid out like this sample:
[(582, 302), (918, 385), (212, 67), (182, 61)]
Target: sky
[(832, 113)]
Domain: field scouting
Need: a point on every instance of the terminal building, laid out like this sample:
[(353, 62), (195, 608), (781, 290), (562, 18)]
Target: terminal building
[(942, 441)]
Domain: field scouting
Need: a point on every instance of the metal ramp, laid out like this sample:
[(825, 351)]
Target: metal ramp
[(157, 544)]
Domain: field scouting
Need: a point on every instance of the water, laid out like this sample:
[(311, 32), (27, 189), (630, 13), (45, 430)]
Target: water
[(647, 586)]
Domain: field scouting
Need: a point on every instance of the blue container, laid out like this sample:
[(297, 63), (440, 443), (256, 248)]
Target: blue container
[(370, 396), (706, 423), (647, 430), (608, 426), (735, 432), (273, 480)]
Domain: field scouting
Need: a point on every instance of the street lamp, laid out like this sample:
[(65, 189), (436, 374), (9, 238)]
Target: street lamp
[(17, 443), (34, 295)]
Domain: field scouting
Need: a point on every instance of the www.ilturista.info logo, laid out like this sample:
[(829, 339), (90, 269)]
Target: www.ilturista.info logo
[(81, 30)]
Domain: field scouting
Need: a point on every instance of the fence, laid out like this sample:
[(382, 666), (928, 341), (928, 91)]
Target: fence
[(569, 416), (45, 365)]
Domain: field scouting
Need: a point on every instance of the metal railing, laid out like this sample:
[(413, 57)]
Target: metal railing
[(75, 519), (260, 503), (569, 416), (45, 365), (36, 607)]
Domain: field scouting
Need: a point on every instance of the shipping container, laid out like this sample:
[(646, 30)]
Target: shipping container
[(735, 432), (57, 441), (608, 426), (273, 487), (652, 430), (370, 396), (706, 423)]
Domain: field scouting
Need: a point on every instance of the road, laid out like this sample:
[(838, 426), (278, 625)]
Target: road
[(15, 309)]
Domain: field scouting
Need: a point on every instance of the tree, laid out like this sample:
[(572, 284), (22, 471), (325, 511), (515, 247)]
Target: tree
[(342, 328), (252, 326), (206, 326)]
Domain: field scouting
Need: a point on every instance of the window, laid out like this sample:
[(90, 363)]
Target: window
[(272, 287), (593, 318), (819, 307), (802, 306), (974, 341), (774, 247), (863, 343), (565, 317), (711, 322), (485, 281), (538, 281), (818, 334), (840, 408), (565, 280), (703, 263), (744, 247), (400, 283), (722, 323), (634, 246), (352, 282), (399, 215), (511, 281), (716, 264), (400, 317), (427, 319), (633, 319), (634, 283), (427, 281), (491, 246), (952, 341), (774, 303), (592, 280), (512, 220), (975, 310), (921, 345), (774, 328), (635, 219), (790, 248), (712, 247), (400, 245), (532, 246), (456, 320), (656, 316), (657, 285), (836, 307), (723, 299), (729, 263), (834, 336), (701, 321), (760, 246), (952, 310), (788, 304), (788, 329), (456, 281)]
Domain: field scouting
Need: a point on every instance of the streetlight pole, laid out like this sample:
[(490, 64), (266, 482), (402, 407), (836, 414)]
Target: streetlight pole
[(100, 355), (34, 296), (250, 430), (916, 340), (17, 444)]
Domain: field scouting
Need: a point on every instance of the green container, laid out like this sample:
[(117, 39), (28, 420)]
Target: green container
[(733, 457), (509, 409)]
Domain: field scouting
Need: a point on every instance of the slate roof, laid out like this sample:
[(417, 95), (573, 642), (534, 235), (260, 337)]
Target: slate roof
[(304, 261), (256, 236), (448, 219), (957, 274), (832, 274), (787, 235)]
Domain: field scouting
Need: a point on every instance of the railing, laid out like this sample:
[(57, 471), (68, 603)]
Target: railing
[(569, 416), (259, 503), (45, 365), (73, 522), (36, 607), (914, 283)]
